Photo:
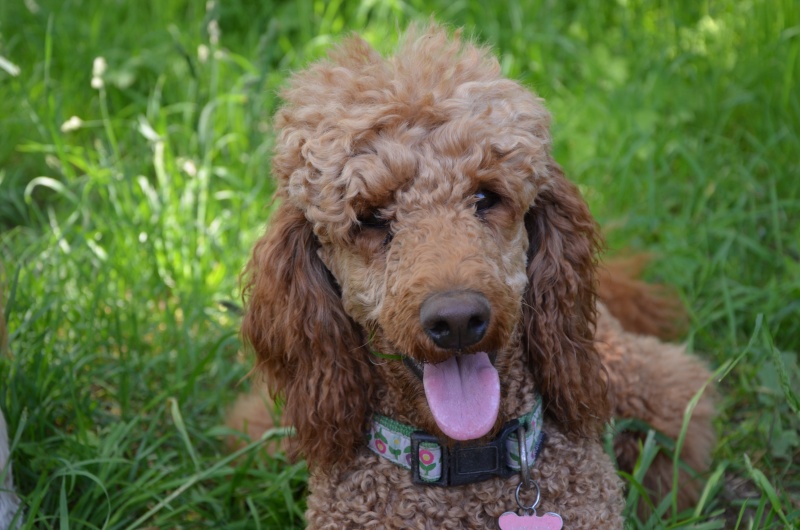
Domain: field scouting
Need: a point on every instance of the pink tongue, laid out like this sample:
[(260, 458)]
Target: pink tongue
[(463, 394)]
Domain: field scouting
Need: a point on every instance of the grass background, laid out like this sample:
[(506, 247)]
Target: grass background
[(122, 240)]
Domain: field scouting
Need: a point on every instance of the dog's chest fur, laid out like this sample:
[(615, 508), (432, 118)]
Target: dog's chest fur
[(375, 493), (372, 492)]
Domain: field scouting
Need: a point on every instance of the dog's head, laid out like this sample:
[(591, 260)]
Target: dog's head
[(422, 217)]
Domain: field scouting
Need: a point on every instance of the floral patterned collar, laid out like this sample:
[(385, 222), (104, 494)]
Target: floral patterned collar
[(433, 463)]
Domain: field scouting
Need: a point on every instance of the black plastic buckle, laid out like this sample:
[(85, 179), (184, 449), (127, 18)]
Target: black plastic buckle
[(466, 464)]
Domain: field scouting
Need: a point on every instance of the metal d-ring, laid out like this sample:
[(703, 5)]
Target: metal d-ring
[(532, 507), (524, 468)]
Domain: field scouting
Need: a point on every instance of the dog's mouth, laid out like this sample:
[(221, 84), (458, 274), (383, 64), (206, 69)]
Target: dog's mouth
[(463, 393), (418, 367)]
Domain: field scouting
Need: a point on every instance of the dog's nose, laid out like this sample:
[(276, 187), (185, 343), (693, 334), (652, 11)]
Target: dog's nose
[(455, 320)]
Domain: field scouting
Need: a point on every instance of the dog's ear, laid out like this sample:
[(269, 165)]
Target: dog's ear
[(559, 307), (309, 350)]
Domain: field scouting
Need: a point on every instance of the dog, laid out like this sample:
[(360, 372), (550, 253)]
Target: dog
[(424, 301)]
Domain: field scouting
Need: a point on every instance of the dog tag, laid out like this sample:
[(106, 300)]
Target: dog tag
[(548, 521), (529, 520)]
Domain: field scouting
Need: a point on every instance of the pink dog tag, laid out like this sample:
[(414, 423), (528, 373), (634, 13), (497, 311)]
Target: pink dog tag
[(548, 521)]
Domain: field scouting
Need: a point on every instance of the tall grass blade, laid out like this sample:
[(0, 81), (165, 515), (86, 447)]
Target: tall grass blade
[(764, 485)]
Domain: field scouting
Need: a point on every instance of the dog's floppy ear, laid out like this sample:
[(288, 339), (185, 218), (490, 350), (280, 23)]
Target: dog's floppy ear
[(559, 307), (307, 347)]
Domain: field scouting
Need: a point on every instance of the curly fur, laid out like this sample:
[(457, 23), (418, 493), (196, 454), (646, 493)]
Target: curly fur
[(641, 308), (378, 164), (560, 307), (308, 347)]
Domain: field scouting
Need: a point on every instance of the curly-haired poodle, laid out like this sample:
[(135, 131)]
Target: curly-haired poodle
[(424, 301)]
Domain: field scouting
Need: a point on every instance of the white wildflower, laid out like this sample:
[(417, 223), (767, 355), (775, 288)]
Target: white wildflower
[(202, 53), (98, 69), (213, 32), (12, 69), (189, 167), (72, 124)]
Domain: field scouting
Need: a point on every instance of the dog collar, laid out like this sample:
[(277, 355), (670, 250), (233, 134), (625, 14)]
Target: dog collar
[(433, 463)]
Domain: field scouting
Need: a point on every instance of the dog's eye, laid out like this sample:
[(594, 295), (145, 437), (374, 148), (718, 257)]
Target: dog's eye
[(485, 200), (373, 220), (372, 224)]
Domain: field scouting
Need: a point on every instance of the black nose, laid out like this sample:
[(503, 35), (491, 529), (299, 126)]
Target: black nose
[(455, 319)]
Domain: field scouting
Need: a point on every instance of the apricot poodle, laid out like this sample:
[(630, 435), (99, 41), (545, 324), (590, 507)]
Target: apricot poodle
[(424, 302)]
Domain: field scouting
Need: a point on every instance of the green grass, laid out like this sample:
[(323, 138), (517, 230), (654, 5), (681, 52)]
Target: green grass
[(122, 240)]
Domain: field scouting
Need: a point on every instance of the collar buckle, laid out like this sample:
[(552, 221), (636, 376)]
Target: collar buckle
[(465, 464)]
